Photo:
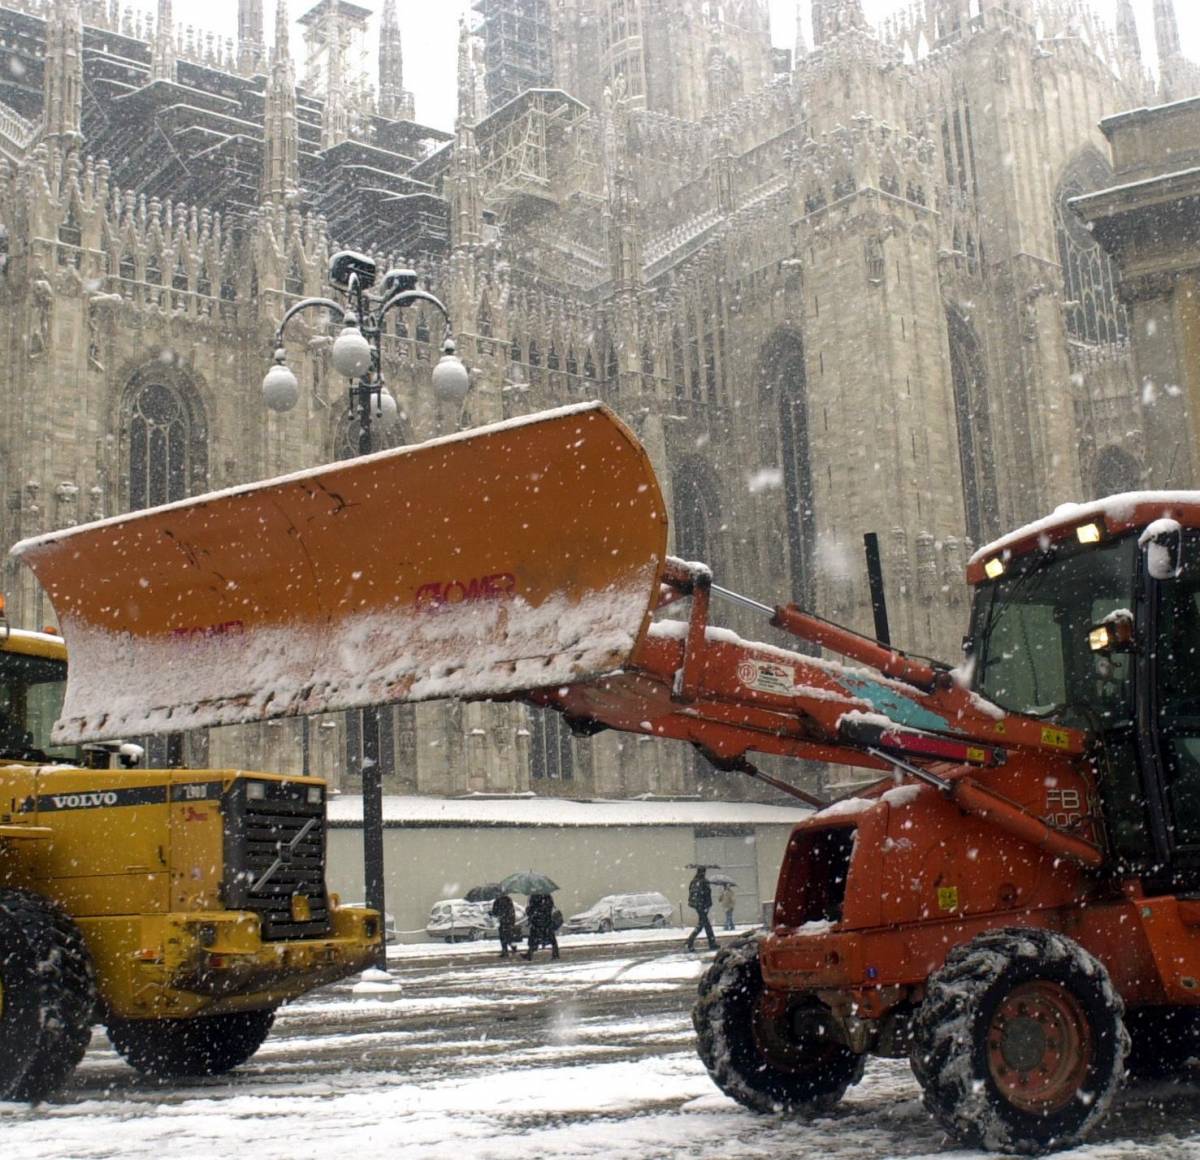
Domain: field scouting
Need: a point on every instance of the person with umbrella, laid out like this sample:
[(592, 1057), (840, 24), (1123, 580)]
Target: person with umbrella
[(728, 896), (728, 900), (505, 914), (540, 911), (700, 900)]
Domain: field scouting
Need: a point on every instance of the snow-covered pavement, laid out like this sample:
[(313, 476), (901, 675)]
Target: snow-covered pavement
[(458, 1055)]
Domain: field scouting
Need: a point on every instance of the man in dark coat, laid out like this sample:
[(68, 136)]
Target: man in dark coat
[(505, 915), (541, 925), (700, 900)]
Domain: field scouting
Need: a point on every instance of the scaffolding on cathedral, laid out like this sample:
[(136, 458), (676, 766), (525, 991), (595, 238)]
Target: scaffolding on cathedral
[(518, 54), (535, 147)]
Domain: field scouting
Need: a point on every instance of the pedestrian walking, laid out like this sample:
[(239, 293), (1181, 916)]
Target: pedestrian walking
[(505, 914), (541, 914), (728, 899), (700, 900)]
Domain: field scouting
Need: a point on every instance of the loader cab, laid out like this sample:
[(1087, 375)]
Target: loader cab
[(1096, 626), (33, 682)]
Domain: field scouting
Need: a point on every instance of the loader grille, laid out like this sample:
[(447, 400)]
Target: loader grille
[(275, 858)]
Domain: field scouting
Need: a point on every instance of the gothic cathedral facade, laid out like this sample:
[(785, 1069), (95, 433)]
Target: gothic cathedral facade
[(835, 289)]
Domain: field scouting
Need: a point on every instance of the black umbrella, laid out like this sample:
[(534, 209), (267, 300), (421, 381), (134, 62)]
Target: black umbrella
[(528, 882), (488, 892)]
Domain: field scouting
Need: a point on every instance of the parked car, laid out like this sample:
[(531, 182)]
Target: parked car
[(622, 912), (457, 920)]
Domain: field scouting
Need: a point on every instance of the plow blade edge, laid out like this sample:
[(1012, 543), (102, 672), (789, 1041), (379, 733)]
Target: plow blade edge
[(504, 559)]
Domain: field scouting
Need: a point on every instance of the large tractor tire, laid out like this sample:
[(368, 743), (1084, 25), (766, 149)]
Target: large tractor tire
[(47, 996), (206, 1045), (753, 1060), (1020, 1043), (1162, 1040)]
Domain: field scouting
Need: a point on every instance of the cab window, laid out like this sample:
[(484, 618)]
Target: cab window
[(1030, 635), (31, 698), (1177, 680)]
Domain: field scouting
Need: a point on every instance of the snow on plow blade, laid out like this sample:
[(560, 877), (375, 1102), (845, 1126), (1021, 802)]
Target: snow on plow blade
[(506, 558)]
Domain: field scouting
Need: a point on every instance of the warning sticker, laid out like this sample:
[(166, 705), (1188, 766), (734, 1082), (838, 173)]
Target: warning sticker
[(947, 897), (1056, 738), (768, 677)]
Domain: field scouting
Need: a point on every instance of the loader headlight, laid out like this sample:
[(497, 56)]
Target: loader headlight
[(1088, 533), (314, 795), (994, 568), (256, 791)]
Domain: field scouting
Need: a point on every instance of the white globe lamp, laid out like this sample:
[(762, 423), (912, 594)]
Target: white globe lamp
[(279, 386), (387, 412), (451, 382), (351, 351)]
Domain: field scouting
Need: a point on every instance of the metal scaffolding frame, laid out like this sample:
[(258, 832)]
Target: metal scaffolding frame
[(518, 52)]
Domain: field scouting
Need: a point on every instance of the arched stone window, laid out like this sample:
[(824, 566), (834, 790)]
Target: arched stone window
[(166, 440), (1115, 471), (165, 454), (784, 441), (551, 747), (697, 507), (973, 421), (1093, 312)]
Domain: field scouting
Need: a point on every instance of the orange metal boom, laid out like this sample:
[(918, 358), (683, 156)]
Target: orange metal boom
[(688, 681)]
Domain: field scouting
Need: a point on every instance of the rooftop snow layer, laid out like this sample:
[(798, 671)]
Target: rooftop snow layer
[(536, 811)]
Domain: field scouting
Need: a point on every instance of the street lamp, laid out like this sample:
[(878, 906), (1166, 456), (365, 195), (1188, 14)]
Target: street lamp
[(357, 355)]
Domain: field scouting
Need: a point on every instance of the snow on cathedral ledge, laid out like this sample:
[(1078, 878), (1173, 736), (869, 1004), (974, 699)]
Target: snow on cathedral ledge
[(1114, 508)]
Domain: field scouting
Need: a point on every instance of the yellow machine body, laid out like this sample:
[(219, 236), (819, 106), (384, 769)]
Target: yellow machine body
[(197, 892)]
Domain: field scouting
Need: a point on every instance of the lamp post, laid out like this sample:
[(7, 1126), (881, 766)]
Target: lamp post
[(357, 354)]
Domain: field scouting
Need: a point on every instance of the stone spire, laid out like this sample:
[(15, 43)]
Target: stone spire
[(1176, 75), (335, 117), (394, 102), (830, 18), (62, 107), (800, 51), (162, 65), (621, 202), (466, 75), (465, 205), (281, 163), (250, 54), (1166, 31), (1128, 40)]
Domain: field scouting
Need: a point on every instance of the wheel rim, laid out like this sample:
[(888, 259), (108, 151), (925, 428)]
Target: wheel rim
[(1039, 1047), (784, 1052)]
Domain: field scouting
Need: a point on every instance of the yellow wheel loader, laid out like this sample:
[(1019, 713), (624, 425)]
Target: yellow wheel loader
[(177, 907)]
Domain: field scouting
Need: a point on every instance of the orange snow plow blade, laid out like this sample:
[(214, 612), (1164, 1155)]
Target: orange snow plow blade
[(507, 558)]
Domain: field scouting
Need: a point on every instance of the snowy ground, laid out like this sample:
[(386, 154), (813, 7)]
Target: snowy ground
[(460, 1055)]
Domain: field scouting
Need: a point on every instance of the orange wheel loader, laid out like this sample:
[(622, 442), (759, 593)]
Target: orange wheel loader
[(1014, 906)]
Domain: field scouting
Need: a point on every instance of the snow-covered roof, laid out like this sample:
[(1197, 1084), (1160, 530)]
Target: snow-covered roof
[(485, 810), (1115, 508)]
